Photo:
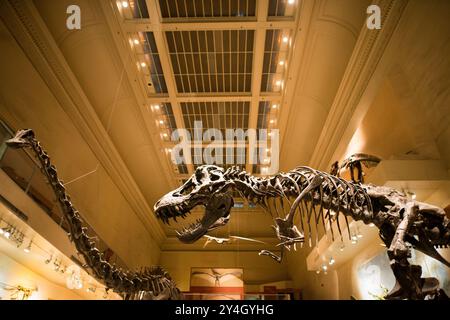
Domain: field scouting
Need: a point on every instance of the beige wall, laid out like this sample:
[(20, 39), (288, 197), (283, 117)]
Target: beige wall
[(313, 286), (257, 270), (13, 273), (27, 102)]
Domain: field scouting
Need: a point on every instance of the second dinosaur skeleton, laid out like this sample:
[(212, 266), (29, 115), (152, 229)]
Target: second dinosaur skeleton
[(210, 239), (316, 200)]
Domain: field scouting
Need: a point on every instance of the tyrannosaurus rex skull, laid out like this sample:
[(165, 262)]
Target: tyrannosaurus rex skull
[(206, 187)]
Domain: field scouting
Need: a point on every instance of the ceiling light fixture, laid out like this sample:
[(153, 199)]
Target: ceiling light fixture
[(161, 121), (285, 39), (7, 232), (291, 1), (156, 106), (278, 82), (272, 121), (281, 63), (28, 249), (332, 261), (125, 4), (274, 106), (136, 41), (143, 64)]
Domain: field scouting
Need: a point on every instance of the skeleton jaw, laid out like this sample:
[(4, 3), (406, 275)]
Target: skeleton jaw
[(217, 214)]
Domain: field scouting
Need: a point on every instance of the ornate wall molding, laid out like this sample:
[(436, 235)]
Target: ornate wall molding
[(363, 63), (25, 24)]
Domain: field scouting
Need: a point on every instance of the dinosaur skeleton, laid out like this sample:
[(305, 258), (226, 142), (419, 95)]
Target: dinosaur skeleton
[(355, 162), (320, 198), (150, 283), (230, 239), (217, 276)]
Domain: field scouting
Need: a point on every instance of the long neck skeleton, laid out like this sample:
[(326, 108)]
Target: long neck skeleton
[(153, 282)]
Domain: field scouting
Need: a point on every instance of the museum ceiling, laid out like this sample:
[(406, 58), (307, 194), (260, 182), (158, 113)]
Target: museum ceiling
[(139, 70), (148, 68)]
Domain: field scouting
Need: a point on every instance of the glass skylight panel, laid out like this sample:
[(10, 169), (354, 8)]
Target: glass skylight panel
[(219, 115), (139, 9), (133, 9), (148, 62), (282, 8), (226, 157), (211, 61), (274, 65), (207, 8)]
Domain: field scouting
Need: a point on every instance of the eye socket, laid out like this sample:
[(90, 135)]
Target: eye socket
[(199, 175), (187, 189), (214, 177)]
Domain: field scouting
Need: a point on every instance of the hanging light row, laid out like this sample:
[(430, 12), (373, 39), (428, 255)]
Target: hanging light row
[(11, 233)]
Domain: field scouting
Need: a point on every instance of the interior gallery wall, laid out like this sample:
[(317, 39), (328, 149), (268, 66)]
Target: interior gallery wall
[(13, 273), (408, 119), (257, 270)]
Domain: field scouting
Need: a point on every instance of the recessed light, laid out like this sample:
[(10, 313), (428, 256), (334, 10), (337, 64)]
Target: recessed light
[(291, 1), (281, 63), (274, 106), (136, 41), (285, 39), (143, 64), (278, 82), (125, 4), (165, 135), (156, 106), (272, 121), (267, 149), (161, 121)]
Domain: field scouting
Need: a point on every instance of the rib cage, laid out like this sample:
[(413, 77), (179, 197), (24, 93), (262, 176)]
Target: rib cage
[(333, 195)]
